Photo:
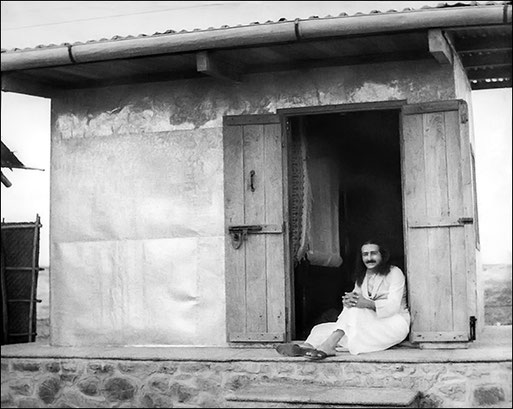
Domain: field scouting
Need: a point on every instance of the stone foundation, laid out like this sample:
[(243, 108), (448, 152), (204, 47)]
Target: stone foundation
[(150, 383)]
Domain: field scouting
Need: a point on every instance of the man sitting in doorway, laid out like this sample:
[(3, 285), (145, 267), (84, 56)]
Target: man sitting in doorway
[(375, 314)]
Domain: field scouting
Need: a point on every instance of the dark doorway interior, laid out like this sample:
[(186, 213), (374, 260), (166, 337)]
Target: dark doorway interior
[(366, 148)]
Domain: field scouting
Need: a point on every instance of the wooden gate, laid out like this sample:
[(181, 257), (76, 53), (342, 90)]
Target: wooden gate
[(20, 268)]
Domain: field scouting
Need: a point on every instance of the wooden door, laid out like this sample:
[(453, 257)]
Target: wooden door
[(254, 229), (439, 229)]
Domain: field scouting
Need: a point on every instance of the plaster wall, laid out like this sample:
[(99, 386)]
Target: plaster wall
[(137, 222)]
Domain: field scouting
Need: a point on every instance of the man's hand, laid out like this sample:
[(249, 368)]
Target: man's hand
[(354, 299), (350, 299), (365, 303)]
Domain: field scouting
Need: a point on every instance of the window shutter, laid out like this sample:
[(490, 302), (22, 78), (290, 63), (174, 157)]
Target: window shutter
[(254, 229), (439, 224)]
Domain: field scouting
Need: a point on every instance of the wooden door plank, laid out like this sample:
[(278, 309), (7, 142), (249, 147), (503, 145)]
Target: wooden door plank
[(255, 273), (456, 236), (257, 337), (439, 314), (254, 247), (442, 306), (234, 214), (275, 263), (414, 202), (469, 203), (443, 336)]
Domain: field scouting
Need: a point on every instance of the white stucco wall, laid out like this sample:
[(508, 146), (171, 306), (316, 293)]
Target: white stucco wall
[(137, 236)]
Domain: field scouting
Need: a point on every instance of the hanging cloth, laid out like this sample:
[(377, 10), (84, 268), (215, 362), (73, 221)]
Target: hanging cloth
[(313, 205), (323, 228)]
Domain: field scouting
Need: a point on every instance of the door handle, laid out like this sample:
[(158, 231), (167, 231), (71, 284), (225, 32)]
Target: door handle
[(252, 180)]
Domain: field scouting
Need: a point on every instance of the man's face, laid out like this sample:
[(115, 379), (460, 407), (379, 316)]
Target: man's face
[(371, 256)]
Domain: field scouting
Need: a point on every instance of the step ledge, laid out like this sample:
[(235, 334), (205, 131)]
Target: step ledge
[(325, 394), (33, 350)]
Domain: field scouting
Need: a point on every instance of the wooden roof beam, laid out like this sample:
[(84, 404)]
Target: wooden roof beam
[(482, 44), (483, 74), (209, 64), (439, 47), (495, 59)]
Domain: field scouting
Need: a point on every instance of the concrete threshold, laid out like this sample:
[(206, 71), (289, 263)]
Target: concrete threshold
[(494, 346), (500, 353)]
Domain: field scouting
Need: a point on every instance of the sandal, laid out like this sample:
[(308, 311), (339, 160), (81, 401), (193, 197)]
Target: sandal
[(316, 355), (291, 349)]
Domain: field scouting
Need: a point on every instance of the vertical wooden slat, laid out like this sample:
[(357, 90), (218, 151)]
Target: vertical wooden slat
[(3, 287), (440, 311), (254, 247), (33, 280), (469, 203), (456, 209), (289, 301), (274, 215), (414, 201), (234, 214)]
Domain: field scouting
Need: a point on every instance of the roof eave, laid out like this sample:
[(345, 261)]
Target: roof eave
[(252, 35)]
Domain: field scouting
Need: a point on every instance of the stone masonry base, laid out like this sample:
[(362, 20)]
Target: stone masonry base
[(203, 377)]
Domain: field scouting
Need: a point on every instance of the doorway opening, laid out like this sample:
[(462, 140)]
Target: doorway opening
[(344, 188)]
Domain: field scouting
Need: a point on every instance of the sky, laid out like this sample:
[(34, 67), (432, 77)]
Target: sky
[(25, 123)]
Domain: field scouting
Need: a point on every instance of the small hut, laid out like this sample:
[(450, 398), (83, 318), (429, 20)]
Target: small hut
[(193, 173)]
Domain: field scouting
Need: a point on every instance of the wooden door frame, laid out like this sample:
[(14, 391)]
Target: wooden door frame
[(284, 115)]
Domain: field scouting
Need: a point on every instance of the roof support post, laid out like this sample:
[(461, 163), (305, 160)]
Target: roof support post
[(208, 64), (439, 48)]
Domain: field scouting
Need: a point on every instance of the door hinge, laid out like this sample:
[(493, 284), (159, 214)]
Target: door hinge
[(473, 328)]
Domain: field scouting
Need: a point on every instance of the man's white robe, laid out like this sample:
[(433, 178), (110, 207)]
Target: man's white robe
[(366, 330)]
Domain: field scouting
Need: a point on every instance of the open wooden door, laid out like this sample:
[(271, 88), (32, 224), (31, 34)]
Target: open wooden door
[(254, 229), (439, 229)]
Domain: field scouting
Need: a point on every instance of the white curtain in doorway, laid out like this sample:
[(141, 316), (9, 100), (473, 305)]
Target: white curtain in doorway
[(323, 229), (314, 206)]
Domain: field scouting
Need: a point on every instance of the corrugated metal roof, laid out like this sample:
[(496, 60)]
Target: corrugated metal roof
[(480, 33), (269, 22)]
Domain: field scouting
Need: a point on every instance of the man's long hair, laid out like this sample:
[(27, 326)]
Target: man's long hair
[(383, 268)]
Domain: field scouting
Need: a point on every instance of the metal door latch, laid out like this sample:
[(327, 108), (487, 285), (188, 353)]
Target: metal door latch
[(473, 328), (239, 233)]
